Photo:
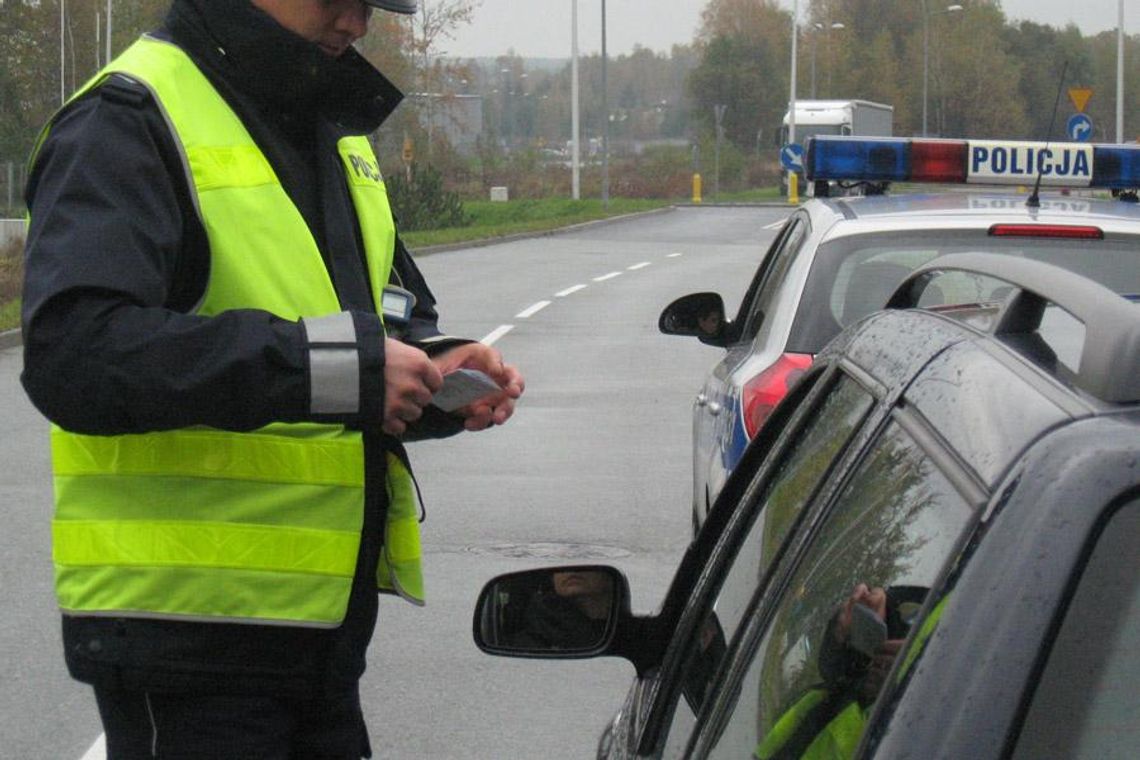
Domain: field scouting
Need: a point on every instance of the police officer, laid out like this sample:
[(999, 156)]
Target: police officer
[(207, 256)]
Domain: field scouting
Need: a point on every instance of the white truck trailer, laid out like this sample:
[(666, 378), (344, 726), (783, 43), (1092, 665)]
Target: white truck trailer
[(835, 117)]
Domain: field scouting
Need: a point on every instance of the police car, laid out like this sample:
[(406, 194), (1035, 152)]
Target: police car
[(838, 257), (929, 550)]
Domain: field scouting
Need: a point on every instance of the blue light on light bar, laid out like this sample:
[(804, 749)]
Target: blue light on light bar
[(1003, 162), (1116, 166), (866, 159)]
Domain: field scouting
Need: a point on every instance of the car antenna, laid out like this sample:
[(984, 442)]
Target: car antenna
[(1034, 200)]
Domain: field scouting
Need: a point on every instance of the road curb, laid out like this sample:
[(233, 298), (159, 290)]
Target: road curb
[(10, 339)]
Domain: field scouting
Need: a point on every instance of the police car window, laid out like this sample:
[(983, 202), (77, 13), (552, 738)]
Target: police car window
[(770, 278), (762, 271), (811, 680), (792, 485), (854, 275), (1085, 702)]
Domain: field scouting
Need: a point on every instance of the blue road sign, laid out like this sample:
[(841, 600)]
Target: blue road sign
[(792, 156), (1079, 127)]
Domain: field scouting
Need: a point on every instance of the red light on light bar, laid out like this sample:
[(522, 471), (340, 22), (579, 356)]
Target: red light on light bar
[(1070, 231), (938, 161)]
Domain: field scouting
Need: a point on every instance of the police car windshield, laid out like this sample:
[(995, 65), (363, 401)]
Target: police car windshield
[(853, 276)]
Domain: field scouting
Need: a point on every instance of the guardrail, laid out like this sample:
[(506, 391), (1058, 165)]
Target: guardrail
[(11, 229)]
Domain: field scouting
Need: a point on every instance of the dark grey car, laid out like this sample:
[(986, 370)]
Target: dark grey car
[(929, 551)]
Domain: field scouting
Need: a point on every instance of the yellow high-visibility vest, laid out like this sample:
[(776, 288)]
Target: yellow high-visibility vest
[(211, 525)]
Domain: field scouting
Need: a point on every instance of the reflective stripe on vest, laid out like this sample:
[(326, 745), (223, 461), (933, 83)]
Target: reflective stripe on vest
[(207, 524)]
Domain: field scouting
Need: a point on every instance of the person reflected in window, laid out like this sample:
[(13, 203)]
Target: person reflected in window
[(572, 613), (857, 650)]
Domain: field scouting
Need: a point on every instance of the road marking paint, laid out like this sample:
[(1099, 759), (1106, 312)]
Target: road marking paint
[(532, 310), (608, 276), (776, 225), (635, 267), (674, 255), (495, 334), (569, 290), (98, 750)]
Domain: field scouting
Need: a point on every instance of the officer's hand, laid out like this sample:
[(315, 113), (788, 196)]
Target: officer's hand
[(494, 409), (410, 379)]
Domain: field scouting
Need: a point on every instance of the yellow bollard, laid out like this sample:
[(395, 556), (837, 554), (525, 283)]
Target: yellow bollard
[(793, 188), (696, 188)]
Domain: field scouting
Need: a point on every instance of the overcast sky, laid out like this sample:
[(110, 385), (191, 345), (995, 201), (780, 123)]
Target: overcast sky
[(541, 28)]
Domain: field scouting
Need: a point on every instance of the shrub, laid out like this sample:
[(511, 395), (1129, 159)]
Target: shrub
[(420, 202)]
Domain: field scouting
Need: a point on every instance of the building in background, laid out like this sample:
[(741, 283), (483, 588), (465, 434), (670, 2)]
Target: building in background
[(458, 117)]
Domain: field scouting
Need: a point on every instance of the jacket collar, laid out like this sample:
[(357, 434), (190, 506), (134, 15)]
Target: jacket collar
[(236, 41)]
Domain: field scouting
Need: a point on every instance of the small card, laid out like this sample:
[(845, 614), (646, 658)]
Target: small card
[(462, 387)]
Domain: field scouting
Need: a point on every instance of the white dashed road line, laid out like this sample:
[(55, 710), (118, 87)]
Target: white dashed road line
[(532, 309), (674, 255), (495, 334), (776, 225)]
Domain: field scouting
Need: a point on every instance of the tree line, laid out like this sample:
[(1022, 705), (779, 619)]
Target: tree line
[(972, 72), (985, 76)]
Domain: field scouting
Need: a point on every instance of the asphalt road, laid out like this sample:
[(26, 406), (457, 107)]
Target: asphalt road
[(594, 467)]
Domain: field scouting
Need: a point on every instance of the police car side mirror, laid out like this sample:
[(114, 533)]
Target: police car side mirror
[(698, 314), (552, 613)]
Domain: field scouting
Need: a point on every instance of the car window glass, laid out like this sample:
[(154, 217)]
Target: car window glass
[(1085, 703), (867, 278), (771, 278), (853, 275), (762, 271), (808, 684), (791, 486)]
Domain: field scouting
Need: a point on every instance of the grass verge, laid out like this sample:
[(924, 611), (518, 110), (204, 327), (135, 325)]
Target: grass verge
[(9, 315), (11, 283), (496, 219)]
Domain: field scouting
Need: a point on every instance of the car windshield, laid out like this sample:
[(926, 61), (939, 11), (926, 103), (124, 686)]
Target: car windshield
[(854, 276)]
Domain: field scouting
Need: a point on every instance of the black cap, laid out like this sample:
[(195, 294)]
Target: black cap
[(396, 6)]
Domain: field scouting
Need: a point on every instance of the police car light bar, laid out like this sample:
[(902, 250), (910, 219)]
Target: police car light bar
[(1004, 162)]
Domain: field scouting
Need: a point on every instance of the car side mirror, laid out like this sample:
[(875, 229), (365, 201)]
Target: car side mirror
[(560, 612), (697, 314)]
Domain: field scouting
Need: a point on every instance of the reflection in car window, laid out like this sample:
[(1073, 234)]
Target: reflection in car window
[(850, 275), (810, 682), (1085, 703), (770, 277), (791, 486)]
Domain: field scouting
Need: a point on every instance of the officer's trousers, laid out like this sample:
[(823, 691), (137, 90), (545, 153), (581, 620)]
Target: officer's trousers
[(231, 727)]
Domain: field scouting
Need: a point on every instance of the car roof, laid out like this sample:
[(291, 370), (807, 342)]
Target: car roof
[(960, 209)]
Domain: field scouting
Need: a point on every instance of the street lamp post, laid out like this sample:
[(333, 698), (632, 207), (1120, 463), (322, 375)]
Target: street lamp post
[(575, 150), (605, 120), (62, 78), (1120, 74), (816, 29), (792, 84), (507, 117), (926, 52)]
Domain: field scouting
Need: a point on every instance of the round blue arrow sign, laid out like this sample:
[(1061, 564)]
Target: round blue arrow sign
[(792, 156), (1079, 128)]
